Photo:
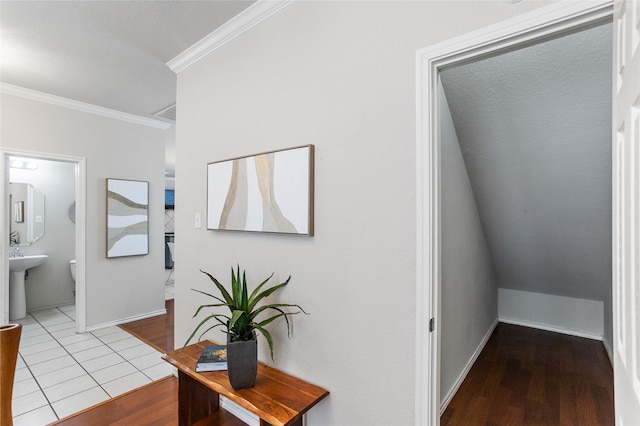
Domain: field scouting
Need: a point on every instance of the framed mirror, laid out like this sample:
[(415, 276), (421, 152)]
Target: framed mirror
[(27, 221)]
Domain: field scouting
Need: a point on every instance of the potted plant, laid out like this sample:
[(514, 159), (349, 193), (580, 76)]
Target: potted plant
[(241, 324)]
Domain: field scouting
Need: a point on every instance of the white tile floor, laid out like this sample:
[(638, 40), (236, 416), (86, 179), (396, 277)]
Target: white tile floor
[(60, 372)]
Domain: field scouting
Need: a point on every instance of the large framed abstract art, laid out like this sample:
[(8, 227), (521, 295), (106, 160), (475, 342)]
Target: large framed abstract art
[(127, 218), (271, 192)]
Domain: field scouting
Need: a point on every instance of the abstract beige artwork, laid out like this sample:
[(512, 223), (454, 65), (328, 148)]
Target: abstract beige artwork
[(127, 217), (269, 192)]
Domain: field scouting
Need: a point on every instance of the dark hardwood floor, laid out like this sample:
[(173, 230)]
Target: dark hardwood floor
[(523, 377), (156, 331), (530, 377), (153, 404)]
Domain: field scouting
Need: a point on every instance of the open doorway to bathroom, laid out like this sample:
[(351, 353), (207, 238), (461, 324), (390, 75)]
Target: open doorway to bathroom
[(52, 225)]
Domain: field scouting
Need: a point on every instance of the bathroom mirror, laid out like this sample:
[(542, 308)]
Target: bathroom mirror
[(28, 205)]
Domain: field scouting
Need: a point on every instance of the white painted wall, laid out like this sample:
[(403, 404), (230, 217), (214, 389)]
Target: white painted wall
[(569, 315), (469, 298), (50, 284), (340, 75), (170, 157), (120, 288)]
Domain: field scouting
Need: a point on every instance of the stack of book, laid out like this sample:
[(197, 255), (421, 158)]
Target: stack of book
[(213, 358)]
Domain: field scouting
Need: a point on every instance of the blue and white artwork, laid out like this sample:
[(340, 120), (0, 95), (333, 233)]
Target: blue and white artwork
[(127, 218)]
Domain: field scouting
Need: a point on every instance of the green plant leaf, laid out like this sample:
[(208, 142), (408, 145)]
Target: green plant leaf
[(204, 321), (267, 293), (223, 291), (208, 294), (281, 314), (235, 317), (263, 308), (267, 336), (201, 307), (257, 289), (241, 323), (244, 302)]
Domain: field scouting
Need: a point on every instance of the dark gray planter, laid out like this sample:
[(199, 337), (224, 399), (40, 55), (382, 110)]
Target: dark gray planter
[(242, 363)]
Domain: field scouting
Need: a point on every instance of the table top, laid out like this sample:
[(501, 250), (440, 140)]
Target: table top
[(276, 397)]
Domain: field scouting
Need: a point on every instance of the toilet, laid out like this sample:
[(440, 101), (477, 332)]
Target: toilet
[(72, 267)]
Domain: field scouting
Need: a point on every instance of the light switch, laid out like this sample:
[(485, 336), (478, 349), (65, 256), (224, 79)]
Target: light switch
[(197, 220)]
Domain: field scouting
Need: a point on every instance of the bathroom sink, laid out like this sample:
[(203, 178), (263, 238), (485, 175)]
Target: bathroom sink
[(19, 264)]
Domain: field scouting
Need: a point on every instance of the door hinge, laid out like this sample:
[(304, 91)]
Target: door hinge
[(432, 324)]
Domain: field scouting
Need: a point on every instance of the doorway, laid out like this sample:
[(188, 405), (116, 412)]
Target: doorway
[(524, 30), (73, 211)]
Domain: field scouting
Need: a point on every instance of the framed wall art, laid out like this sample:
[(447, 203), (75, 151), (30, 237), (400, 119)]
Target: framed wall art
[(270, 192), (127, 217)]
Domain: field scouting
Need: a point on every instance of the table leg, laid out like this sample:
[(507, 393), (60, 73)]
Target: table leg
[(195, 401)]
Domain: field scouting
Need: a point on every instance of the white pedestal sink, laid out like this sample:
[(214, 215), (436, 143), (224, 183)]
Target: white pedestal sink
[(17, 297)]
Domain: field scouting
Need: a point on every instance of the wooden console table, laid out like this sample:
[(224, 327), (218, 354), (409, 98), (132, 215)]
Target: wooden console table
[(277, 398)]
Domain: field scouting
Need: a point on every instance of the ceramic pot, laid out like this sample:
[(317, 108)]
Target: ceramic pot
[(242, 363), (9, 343)]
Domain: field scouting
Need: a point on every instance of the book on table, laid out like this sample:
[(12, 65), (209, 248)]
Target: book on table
[(213, 358)]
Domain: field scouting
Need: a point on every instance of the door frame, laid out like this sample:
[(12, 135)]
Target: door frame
[(546, 22), (80, 237)]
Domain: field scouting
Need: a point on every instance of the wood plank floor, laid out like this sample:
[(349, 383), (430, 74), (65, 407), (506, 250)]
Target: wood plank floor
[(156, 331), (522, 377), (155, 404), (530, 377)]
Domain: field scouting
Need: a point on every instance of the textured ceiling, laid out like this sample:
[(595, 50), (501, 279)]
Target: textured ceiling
[(106, 53), (534, 127)]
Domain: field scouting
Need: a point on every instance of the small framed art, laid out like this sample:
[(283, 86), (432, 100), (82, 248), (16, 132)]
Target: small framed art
[(127, 217)]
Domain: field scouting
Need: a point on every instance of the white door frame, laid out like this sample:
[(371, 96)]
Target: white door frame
[(81, 231), (564, 16)]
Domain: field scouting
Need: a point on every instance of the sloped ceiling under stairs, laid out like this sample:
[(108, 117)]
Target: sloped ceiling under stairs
[(534, 127)]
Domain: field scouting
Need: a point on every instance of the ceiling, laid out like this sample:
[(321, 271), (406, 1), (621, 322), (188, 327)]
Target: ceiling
[(534, 127), (106, 53)]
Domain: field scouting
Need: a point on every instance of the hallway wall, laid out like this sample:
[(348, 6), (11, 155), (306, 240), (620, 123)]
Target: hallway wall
[(341, 76), (120, 288), (469, 298)]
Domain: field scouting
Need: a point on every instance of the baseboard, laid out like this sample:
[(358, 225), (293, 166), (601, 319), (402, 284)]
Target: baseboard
[(57, 305), (467, 368), (126, 320), (244, 415), (608, 349), (549, 328), (559, 314)]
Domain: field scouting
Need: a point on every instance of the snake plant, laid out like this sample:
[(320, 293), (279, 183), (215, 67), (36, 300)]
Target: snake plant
[(241, 322)]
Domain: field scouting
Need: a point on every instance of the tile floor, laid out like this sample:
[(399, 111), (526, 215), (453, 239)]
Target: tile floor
[(60, 372)]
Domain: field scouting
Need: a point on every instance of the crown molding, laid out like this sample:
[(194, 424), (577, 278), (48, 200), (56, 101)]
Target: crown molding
[(47, 98), (245, 20)]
